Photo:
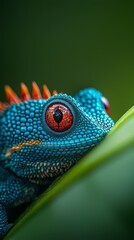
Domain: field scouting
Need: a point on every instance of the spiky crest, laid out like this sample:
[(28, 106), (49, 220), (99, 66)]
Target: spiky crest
[(12, 97)]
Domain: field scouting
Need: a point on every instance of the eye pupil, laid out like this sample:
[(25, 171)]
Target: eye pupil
[(58, 115)]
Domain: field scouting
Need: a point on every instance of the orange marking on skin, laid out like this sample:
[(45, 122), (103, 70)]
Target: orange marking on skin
[(25, 95), (17, 148), (54, 92), (36, 91), (11, 95), (46, 92)]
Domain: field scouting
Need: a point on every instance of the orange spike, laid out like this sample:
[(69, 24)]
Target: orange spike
[(25, 95), (36, 91), (54, 92), (46, 92), (11, 95), (3, 106)]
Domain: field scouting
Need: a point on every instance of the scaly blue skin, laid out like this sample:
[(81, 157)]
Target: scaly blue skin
[(23, 171)]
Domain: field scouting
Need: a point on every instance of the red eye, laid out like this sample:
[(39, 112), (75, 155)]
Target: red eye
[(59, 117), (106, 105)]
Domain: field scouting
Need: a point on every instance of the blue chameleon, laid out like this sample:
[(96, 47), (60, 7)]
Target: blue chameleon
[(42, 137)]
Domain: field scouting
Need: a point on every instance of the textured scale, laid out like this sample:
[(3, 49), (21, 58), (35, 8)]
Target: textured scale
[(41, 137)]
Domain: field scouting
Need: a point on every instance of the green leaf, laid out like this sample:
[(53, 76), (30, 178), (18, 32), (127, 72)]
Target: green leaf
[(94, 199)]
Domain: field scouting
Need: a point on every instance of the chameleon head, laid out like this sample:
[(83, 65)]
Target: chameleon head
[(44, 138)]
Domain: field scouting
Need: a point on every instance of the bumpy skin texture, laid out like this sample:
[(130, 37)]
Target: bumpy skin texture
[(32, 154)]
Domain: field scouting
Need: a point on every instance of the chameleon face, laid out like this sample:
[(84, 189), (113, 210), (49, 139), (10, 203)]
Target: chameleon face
[(44, 138)]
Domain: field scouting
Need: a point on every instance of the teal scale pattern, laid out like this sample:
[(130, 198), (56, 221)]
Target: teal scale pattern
[(23, 172)]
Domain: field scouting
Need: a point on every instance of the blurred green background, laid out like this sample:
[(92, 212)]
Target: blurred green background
[(69, 45)]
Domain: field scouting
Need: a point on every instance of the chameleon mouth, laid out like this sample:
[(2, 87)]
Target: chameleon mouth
[(65, 147), (55, 146)]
